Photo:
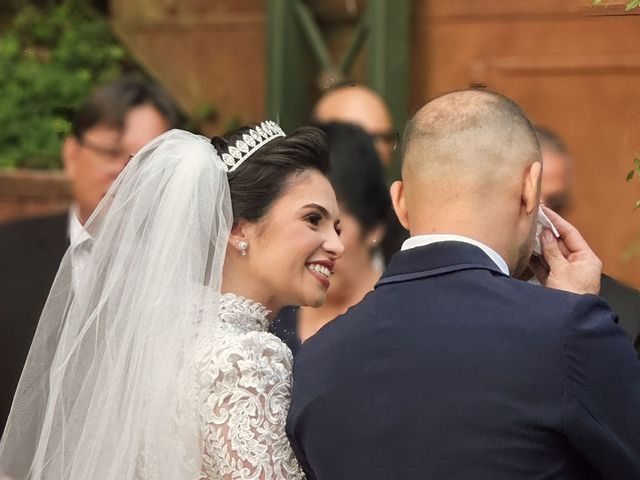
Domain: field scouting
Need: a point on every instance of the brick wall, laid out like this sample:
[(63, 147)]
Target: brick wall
[(27, 193)]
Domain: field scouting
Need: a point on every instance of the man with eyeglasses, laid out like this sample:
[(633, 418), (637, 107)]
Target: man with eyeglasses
[(557, 180), (112, 126), (115, 122), (362, 106)]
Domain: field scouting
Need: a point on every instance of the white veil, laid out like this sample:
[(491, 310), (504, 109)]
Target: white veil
[(107, 391)]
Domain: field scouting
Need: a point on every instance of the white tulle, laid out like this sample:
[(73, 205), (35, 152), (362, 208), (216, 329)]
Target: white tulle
[(109, 387)]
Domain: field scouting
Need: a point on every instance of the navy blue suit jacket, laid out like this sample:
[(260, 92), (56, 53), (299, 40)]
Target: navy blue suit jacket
[(452, 370)]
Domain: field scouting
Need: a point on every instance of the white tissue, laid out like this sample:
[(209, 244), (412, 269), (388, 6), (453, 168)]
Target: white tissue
[(542, 223)]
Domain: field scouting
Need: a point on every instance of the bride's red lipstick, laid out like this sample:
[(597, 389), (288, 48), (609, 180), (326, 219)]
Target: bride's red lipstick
[(321, 277)]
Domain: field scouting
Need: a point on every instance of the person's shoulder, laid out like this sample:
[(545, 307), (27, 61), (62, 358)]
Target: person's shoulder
[(573, 316), (265, 344), (341, 334), (23, 243), (247, 351), (613, 283), (254, 356), (26, 229), (542, 298), (613, 289)]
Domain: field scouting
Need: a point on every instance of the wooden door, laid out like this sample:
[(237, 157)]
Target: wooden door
[(572, 67)]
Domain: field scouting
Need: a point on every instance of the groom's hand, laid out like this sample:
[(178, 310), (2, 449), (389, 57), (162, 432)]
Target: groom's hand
[(572, 264)]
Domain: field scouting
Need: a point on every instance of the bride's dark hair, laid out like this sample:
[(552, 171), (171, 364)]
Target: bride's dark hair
[(265, 175)]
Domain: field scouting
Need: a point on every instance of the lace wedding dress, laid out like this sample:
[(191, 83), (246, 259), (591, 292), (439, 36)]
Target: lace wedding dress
[(143, 374), (244, 388)]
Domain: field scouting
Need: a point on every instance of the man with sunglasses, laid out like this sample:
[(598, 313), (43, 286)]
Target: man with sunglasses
[(115, 122)]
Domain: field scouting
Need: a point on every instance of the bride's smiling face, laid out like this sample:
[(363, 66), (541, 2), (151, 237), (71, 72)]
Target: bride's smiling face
[(293, 249)]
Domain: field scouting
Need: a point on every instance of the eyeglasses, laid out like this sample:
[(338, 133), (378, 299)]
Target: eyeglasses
[(106, 158), (389, 138)]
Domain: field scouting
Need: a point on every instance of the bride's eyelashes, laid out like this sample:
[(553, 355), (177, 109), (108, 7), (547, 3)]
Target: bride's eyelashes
[(314, 219)]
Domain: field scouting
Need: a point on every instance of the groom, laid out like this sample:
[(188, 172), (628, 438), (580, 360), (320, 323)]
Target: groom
[(451, 368)]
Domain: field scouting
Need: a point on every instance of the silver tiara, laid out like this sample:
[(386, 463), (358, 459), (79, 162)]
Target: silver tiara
[(249, 143)]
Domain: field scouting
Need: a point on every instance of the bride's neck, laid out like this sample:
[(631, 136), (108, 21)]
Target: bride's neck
[(236, 282)]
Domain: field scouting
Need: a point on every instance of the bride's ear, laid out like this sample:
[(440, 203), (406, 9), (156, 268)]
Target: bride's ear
[(238, 238)]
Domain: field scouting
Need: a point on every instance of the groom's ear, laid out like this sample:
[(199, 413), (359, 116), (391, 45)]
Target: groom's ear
[(400, 203), (531, 188)]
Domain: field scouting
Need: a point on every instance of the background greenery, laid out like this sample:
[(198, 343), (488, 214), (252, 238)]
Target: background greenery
[(52, 54), (51, 57), (630, 5)]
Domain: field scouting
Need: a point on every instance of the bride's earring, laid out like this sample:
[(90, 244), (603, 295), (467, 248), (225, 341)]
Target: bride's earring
[(242, 246)]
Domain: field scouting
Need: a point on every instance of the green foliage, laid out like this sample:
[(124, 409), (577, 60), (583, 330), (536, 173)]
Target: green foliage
[(633, 4), (635, 171), (50, 59), (630, 5)]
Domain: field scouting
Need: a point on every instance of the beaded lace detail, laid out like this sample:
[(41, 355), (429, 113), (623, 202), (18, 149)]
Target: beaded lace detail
[(244, 390)]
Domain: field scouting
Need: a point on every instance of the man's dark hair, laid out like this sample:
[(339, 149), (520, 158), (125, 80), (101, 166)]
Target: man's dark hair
[(357, 174), (109, 105), (261, 179)]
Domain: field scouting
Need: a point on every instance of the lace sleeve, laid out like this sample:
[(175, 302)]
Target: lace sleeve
[(246, 409)]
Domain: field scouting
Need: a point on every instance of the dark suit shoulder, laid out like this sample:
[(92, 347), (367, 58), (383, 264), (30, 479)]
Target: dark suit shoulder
[(26, 229), (31, 245), (624, 300), (23, 231), (520, 301), (612, 284), (557, 307), (615, 291)]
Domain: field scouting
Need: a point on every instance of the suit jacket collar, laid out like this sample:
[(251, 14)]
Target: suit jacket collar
[(436, 259)]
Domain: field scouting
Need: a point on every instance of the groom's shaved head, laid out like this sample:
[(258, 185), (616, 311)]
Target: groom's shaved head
[(471, 166), (469, 137)]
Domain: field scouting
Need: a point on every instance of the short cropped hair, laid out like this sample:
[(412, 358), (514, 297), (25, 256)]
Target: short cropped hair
[(109, 105)]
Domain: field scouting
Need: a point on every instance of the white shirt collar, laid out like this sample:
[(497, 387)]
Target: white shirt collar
[(77, 233), (422, 240)]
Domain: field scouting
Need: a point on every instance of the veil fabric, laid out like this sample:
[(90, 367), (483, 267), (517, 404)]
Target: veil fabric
[(108, 388)]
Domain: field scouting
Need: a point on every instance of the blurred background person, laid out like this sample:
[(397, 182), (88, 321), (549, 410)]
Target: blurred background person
[(557, 174), (557, 182), (359, 105), (357, 177), (118, 120), (114, 123)]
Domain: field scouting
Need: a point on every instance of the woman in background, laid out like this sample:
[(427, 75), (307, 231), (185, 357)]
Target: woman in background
[(358, 179)]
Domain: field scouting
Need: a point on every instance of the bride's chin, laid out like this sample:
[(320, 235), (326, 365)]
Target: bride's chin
[(316, 301)]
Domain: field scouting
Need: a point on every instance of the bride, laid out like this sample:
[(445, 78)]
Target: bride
[(158, 364)]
